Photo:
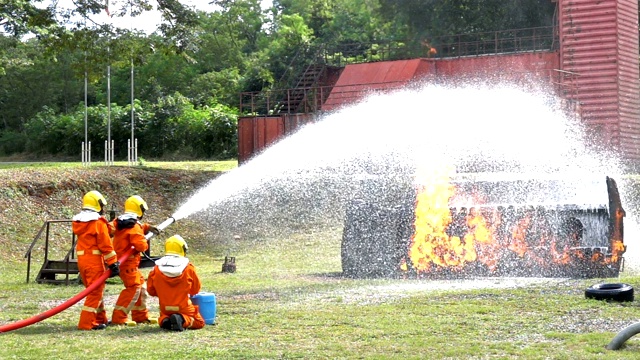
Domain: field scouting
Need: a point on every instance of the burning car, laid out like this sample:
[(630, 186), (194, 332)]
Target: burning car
[(479, 224)]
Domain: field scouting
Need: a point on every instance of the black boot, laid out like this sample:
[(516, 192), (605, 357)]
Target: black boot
[(99, 327), (176, 322), (166, 324)]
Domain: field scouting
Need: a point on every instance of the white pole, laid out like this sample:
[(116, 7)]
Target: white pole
[(82, 153), (135, 149), (133, 156), (86, 104), (106, 152), (109, 103), (89, 153), (133, 117), (109, 87), (112, 147)]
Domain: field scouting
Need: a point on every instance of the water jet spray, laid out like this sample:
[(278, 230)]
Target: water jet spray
[(366, 180)]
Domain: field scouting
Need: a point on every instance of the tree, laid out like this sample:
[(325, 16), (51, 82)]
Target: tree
[(317, 13), (19, 17), (31, 83), (423, 19)]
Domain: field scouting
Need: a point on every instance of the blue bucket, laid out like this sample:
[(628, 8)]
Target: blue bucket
[(207, 304)]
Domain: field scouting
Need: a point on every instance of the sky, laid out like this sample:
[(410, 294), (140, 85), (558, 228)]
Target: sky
[(148, 22)]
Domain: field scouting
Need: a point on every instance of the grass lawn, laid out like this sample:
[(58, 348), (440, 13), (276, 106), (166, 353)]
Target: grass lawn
[(287, 300), (183, 165)]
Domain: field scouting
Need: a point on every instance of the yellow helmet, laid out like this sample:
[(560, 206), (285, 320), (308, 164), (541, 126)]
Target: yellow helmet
[(93, 200), (135, 204), (176, 245)]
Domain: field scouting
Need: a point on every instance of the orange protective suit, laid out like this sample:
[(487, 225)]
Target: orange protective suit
[(173, 280), (93, 249), (133, 298)]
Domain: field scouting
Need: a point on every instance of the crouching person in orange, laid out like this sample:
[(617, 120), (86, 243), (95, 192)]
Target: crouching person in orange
[(174, 280), (129, 231), (93, 248)]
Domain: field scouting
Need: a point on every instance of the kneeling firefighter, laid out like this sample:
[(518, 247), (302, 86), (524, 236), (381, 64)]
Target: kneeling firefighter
[(94, 249), (129, 231), (174, 280)]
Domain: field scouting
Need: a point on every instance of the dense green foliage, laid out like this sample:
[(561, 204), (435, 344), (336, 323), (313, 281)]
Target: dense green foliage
[(187, 75)]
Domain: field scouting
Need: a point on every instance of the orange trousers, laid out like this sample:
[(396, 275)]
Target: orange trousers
[(93, 313), (192, 321), (133, 298)]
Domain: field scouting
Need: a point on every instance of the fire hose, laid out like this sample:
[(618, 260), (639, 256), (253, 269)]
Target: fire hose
[(49, 313), (624, 335)]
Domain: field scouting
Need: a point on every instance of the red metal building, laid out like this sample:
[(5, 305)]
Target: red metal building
[(599, 44), (591, 57)]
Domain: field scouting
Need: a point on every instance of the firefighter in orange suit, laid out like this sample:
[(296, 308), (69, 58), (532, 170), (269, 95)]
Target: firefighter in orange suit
[(93, 249), (174, 280), (129, 231)]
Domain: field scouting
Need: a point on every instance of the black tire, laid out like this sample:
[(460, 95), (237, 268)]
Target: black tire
[(613, 292)]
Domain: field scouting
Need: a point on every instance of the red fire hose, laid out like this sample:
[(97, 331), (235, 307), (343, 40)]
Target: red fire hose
[(66, 304)]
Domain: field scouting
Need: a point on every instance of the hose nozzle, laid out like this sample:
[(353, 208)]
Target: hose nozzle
[(161, 227)]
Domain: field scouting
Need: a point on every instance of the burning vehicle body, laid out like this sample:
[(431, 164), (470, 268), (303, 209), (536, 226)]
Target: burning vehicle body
[(475, 224)]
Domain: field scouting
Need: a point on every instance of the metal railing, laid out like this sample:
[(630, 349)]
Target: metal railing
[(46, 230), (460, 45), (278, 101), (311, 99), (319, 98)]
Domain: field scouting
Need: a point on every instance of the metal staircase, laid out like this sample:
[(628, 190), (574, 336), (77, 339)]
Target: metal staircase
[(303, 96), (54, 271), (52, 268)]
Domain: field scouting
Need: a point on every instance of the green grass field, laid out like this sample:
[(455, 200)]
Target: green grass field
[(184, 165), (287, 300)]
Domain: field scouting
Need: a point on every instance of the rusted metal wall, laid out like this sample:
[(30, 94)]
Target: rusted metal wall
[(293, 122), (628, 81), (256, 133), (599, 50), (245, 138), (531, 67), (358, 80)]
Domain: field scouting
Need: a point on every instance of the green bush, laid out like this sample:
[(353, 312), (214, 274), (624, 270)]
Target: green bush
[(12, 142)]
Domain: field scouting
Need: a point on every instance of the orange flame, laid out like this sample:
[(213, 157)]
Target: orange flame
[(443, 239), (617, 249), (518, 242), (431, 245)]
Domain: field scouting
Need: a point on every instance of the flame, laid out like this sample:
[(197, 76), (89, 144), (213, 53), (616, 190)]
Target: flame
[(403, 265), (617, 249), (431, 245), (518, 242), (447, 239)]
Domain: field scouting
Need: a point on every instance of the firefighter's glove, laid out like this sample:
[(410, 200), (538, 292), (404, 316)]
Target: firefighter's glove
[(115, 269), (154, 230)]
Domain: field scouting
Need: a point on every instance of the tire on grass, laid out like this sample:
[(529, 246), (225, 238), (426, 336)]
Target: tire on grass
[(611, 291)]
